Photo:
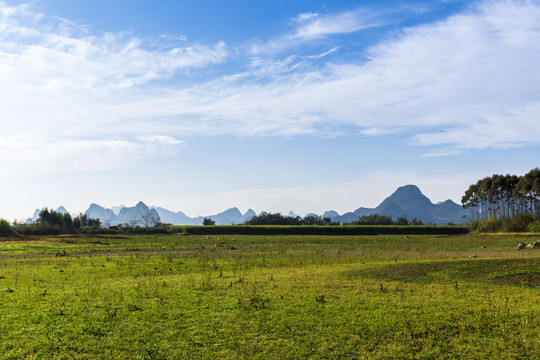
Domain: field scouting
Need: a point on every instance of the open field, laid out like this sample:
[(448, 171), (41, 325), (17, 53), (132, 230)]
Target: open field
[(259, 297)]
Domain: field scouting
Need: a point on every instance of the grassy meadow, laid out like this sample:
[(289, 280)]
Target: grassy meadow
[(260, 297)]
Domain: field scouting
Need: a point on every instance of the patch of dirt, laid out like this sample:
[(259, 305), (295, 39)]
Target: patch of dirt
[(521, 280)]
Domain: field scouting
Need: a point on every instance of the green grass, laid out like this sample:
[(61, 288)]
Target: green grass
[(260, 297)]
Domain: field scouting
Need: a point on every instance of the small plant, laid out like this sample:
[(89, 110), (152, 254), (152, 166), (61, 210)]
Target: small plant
[(259, 302)]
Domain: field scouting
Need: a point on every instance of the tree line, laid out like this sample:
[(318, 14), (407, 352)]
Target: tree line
[(504, 196), (278, 219), (51, 222)]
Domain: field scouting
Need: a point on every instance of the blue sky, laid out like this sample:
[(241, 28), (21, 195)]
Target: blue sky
[(279, 105)]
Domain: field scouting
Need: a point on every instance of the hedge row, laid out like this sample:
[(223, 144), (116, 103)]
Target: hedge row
[(325, 230)]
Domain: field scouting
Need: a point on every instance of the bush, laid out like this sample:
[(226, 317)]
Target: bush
[(5, 228), (522, 222), (486, 225), (534, 226), (518, 223)]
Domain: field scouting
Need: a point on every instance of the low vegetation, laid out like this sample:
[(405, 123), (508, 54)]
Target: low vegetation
[(470, 296), (322, 230), (5, 228)]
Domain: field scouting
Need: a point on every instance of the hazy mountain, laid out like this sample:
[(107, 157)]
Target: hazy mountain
[(247, 216), (106, 216), (34, 217), (330, 214), (353, 216), (62, 210), (116, 209), (140, 215), (178, 218), (408, 200), (227, 217)]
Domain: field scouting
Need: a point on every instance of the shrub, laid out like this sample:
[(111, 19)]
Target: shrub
[(518, 223), (534, 226), (486, 225), (5, 228), (522, 222)]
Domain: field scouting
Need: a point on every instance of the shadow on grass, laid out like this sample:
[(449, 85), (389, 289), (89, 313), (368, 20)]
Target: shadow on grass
[(512, 272)]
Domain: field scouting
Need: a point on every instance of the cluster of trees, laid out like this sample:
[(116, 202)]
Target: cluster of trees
[(378, 219), (504, 196), (372, 219), (278, 219), (51, 221), (65, 222)]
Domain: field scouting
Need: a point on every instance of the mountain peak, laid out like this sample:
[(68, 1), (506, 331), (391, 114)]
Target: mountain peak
[(409, 196), (250, 212), (408, 189), (62, 210), (140, 204), (95, 206)]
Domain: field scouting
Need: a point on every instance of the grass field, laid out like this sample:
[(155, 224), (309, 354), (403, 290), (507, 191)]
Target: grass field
[(264, 297)]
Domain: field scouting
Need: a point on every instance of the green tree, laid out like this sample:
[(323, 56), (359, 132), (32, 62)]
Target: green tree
[(273, 219), (5, 228), (374, 219), (402, 220), (208, 221)]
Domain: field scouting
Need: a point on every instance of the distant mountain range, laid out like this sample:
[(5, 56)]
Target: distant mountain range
[(407, 200)]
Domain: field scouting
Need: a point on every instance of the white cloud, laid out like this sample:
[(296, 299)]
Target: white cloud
[(467, 82), (306, 16), (332, 50), (470, 81), (312, 26)]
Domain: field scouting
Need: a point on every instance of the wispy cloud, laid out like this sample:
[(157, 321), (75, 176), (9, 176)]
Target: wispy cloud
[(332, 50), (316, 26), (470, 81), (308, 27), (467, 82)]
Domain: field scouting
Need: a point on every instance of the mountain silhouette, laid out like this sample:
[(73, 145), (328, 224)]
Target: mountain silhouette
[(406, 201)]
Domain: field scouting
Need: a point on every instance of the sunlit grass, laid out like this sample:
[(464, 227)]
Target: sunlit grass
[(365, 297)]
